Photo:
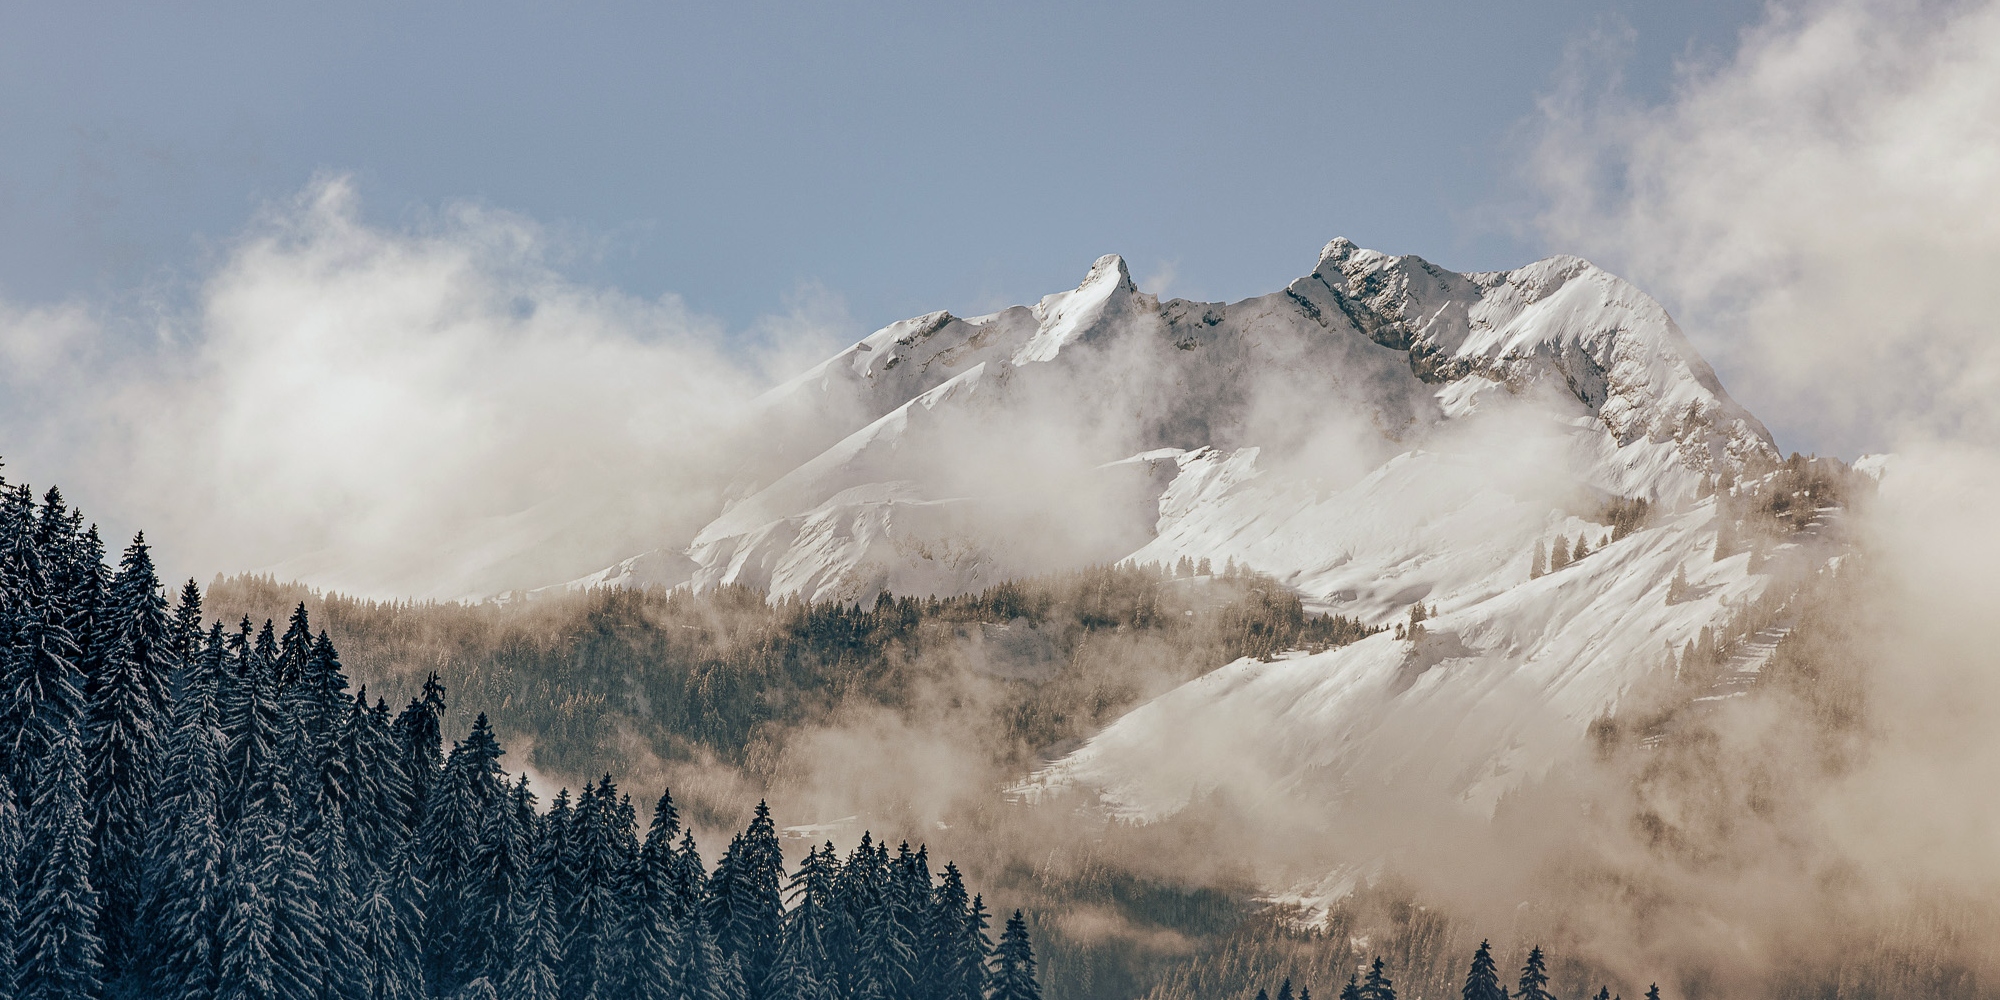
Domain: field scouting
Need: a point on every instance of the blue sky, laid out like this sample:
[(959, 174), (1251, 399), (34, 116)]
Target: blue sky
[(887, 159)]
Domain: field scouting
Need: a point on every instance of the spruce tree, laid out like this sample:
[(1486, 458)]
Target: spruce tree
[(706, 972), (59, 952), (744, 906), (1014, 964), (389, 920), (128, 719), (1534, 978), (1376, 985), (648, 940), (420, 732), (1539, 565), (803, 969), (1653, 992), (532, 975), (596, 862), (185, 856), (1352, 991), (1482, 982), (11, 851)]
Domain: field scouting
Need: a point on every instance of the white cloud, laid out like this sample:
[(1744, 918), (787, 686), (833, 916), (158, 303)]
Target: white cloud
[(431, 412), (1824, 211)]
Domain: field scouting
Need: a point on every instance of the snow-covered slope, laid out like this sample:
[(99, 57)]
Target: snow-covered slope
[(1379, 433), (943, 453)]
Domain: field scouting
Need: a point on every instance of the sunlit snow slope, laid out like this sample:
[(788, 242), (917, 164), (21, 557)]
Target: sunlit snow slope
[(1379, 433)]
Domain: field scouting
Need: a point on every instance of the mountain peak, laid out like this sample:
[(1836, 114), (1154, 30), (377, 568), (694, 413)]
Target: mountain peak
[(1337, 250)]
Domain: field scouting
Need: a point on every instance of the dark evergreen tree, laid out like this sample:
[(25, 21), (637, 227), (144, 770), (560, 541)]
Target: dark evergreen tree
[(1653, 992), (420, 731), (956, 953), (448, 839), (803, 967), (389, 920), (1482, 982), (1376, 985), (1352, 991), (596, 858), (532, 974), (128, 719), (41, 688), (58, 952), (969, 960), (648, 939), (1014, 964), (186, 854), (339, 956), (1534, 978), (744, 906), (186, 628), (11, 850)]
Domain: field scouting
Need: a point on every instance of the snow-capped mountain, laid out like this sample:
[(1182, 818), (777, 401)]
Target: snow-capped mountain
[(909, 460), (1380, 433)]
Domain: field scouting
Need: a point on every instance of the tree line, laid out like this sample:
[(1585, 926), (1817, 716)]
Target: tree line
[(720, 672), (194, 811), (1482, 982)]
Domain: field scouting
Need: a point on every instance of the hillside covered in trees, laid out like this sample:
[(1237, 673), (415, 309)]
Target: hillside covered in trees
[(725, 673)]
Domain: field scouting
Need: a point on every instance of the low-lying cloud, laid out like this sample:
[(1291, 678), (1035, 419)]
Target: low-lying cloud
[(429, 411), (1823, 212)]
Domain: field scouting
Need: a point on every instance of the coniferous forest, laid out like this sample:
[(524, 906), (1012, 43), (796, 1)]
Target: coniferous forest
[(189, 810)]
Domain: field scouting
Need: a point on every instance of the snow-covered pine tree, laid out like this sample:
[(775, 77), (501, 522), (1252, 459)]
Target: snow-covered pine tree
[(420, 734), (744, 907), (11, 849), (596, 862), (186, 628), (706, 972), (1677, 588), (690, 879), (390, 918), (58, 951), (971, 951), (499, 876), (802, 969), (1014, 964), (128, 713), (862, 882), (185, 855), (41, 688), (339, 958), (648, 938), (250, 722), (941, 932), (448, 837), (532, 974)]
